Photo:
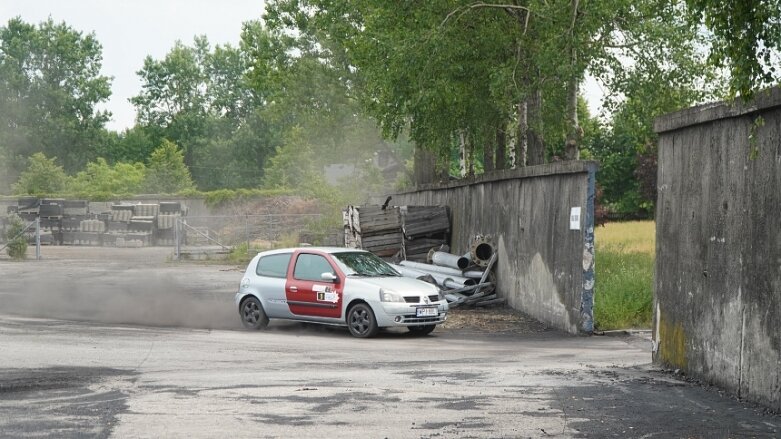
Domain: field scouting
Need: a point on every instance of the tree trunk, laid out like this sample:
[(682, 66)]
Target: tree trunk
[(470, 149), (574, 132), (501, 145), (521, 139), (535, 154), (489, 146), (424, 166), (461, 154)]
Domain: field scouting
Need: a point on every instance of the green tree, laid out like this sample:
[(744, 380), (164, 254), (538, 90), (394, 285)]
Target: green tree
[(167, 173), (197, 97), (101, 180), (130, 145), (460, 74), (628, 142), (17, 241), (42, 177), (50, 85), (746, 40), (310, 105)]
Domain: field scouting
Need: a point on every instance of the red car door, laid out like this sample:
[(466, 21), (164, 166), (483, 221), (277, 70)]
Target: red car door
[(307, 293)]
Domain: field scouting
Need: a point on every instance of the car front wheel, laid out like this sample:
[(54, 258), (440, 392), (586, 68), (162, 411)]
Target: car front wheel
[(421, 330), (252, 314), (361, 321)]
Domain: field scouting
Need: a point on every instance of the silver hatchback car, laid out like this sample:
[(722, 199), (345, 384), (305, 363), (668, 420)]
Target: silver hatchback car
[(336, 286)]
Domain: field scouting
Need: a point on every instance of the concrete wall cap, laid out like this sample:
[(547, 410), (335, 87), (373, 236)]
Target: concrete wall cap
[(763, 100), (548, 169)]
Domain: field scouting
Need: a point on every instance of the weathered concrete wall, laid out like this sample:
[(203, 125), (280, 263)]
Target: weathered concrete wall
[(544, 268), (718, 246)]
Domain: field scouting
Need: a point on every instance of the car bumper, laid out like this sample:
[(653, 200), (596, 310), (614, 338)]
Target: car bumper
[(404, 314)]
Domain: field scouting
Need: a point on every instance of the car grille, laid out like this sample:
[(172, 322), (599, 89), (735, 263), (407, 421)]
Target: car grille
[(431, 319), (416, 299)]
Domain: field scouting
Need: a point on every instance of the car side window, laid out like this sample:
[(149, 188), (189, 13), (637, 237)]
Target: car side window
[(311, 267), (273, 265)]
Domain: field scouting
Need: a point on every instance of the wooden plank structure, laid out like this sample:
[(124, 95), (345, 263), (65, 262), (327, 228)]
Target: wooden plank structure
[(400, 232)]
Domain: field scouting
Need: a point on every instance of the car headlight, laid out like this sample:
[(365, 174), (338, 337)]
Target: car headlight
[(244, 283), (441, 294), (390, 296)]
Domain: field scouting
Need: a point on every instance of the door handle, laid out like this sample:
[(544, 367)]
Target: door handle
[(293, 289)]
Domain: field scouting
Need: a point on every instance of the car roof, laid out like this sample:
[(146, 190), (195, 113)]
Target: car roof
[(316, 249)]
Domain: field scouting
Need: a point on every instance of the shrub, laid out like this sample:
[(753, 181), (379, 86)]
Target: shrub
[(100, 180), (17, 241), (42, 176)]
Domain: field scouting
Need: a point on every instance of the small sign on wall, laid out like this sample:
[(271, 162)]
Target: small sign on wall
[(574, 218)]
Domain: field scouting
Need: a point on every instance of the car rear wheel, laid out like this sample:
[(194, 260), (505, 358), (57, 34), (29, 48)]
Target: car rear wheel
[(361, 321), (422, 329), (252, 314)]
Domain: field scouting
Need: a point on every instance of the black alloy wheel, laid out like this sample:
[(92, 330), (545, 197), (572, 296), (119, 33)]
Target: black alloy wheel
[(361, 321), (252, 314)]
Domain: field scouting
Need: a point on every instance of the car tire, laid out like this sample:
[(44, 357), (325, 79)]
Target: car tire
[(361, 321), (252, 314), (422, 329)]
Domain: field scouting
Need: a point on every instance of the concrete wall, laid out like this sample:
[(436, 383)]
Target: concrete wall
[(544, 268), (718, 246)]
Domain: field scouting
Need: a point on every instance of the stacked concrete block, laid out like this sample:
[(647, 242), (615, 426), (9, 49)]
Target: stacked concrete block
[(142, 223), (166, 222), (92, 226), (75, 208), (118, 224), (121, 213), (28, 207), (145, 210), (70, 222)]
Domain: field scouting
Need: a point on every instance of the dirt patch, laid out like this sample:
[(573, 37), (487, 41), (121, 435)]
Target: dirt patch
[(496, 319)]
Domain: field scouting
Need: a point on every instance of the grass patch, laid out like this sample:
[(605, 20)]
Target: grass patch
[(624, 273)]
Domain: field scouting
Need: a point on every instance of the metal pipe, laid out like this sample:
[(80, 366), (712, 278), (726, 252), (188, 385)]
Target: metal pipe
[(441, 278), (408, 272), (473, 274), (430, 267), (37, 238), (481, 250), (449, 260)]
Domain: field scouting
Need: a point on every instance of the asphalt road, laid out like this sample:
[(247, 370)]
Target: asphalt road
[(108, 372)]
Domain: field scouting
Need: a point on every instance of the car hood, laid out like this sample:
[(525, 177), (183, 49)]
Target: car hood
[(401, 285)]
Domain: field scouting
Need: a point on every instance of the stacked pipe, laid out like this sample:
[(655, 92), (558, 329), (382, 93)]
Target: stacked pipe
[(465, 279)]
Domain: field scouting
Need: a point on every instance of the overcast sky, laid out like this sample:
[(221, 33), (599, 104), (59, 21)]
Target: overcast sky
[(129, 30)]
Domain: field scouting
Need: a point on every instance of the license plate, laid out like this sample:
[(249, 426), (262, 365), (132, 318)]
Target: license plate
[(427, 312)]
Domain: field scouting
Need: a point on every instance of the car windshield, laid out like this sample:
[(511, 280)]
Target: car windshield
[(363, 264)]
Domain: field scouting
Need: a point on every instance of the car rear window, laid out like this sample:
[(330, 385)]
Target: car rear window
[(273, 265)]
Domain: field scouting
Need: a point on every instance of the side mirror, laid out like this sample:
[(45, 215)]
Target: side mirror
[(329, 277)]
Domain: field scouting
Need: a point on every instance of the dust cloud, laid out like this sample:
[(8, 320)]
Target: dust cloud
[(115, 292)]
